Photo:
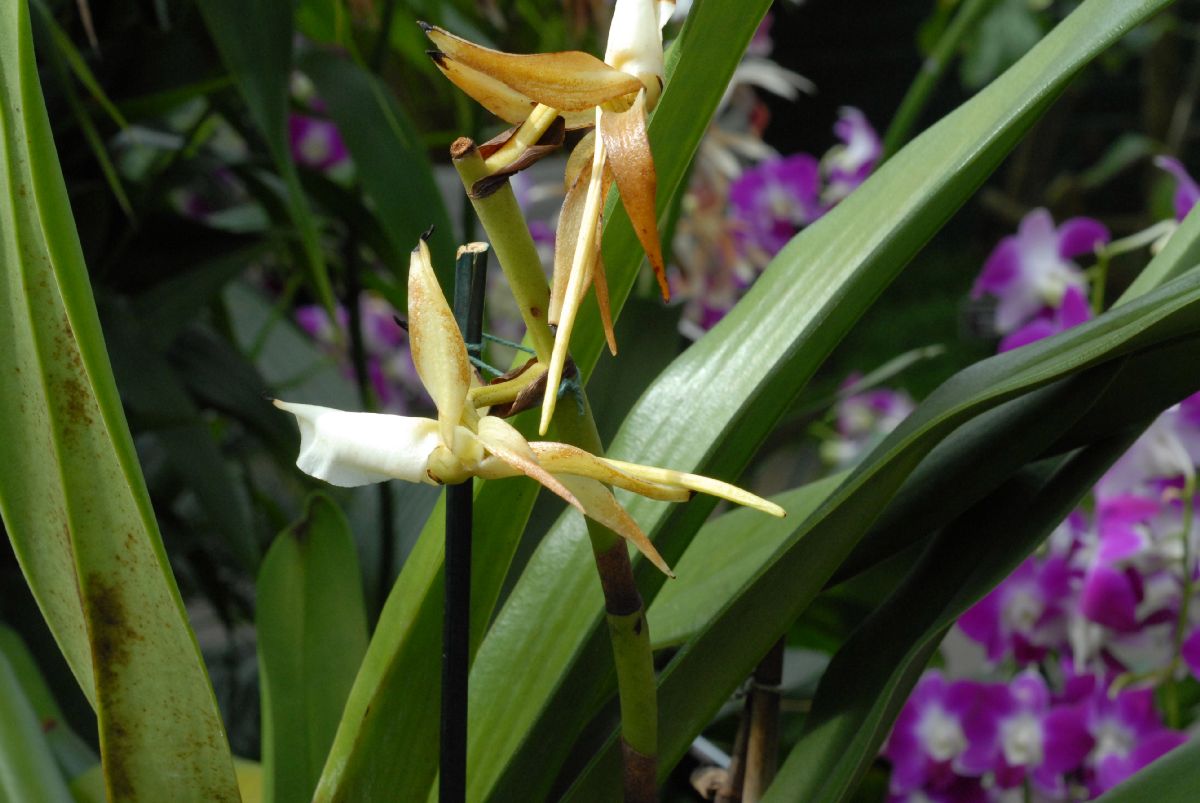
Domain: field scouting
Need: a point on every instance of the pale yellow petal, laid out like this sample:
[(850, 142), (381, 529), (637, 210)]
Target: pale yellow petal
[(438, 350), (568, 81), (628, 148), (601, 505), (562, 458), (502, 440), (635, 39), (698, 483)]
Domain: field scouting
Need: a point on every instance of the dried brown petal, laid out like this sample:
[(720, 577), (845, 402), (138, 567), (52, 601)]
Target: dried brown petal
[(549, 142), (570, 81), (628, 147)]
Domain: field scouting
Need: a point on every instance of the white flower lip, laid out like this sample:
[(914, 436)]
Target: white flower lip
[(351, 449)]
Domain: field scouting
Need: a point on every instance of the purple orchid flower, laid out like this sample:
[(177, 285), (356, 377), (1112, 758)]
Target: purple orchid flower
[(1168, 450), (863, 420), (1016, 733), (1033, 269), (1187, 192), (929, 736), (1127, 734), (1073, 311), (1191, 652), (773, 200), (315, 143), (849, 164), (1024, 616)]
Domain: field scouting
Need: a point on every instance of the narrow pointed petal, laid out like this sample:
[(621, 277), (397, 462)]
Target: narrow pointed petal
[(562, 458), (568, 81), (628, 147), (601, 505), (351, 449), (566, 240), (502, 440), (438, 350), (576, 285), (600, 283), (698, 483), (500, 99), (581, 157)]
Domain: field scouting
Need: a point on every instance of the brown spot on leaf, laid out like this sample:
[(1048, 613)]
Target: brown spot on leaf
[(111, 632)]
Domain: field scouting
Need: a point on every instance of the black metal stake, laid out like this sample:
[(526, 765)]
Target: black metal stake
[(469, 279)]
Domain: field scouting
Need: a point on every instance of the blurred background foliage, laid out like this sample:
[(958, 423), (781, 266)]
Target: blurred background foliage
[(193, 231)]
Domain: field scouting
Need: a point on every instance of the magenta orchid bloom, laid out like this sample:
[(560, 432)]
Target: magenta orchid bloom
[(849, 164), (772, 201), (315, 143), (1032, 270), (1187, 192), (1073, 311), (1024, 616)]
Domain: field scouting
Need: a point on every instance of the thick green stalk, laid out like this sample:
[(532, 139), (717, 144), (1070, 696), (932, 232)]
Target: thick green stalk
[(510, 239), (932, 70), (509, 234)]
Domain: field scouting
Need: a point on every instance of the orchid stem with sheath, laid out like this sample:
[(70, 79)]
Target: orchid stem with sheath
[(469, 283), (508, 232)]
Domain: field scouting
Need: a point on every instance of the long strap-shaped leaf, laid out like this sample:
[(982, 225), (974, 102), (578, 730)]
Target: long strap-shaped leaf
[(716, 403), (71, 492), (1174, 778), (403, 655)]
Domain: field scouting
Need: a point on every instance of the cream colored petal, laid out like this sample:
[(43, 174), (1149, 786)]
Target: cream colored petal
[(635, 39), (438, 350), (628, 147), (566, 240), (568, 81), (697, 483), (562, 458), (602, 506), (501, 439), (351, 449)]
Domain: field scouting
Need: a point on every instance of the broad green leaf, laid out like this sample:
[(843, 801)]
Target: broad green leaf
[(254, 39), (740, 378), (405, 648), (312, 633), (1171, 779), (872, 674), (722, 557), (72, 496), (27, 769), (390, 159), (710, 666)]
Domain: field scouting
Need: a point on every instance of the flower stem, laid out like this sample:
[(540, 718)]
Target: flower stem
[(1171, 692), (762, 746), (470, 275), (932, 69), (625, 612), (506, 229)]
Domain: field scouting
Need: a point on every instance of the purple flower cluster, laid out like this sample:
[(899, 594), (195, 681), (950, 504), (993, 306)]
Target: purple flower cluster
[(772, 201), (1107, 610), (389, 363), (966, 741)]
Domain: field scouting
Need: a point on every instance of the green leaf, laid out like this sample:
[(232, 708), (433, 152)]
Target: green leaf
[(390, 158), (722, 557), (72, 495), (27, 769), (312, 634), (1171, 779), (404, 650), (872, 674), (743, 376), (254, 39)]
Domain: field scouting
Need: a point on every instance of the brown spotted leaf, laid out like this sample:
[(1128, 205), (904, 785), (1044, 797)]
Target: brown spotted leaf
[(72, 496)]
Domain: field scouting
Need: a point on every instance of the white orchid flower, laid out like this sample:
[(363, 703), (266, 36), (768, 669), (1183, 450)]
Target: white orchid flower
[(614, 96), (350, 449)]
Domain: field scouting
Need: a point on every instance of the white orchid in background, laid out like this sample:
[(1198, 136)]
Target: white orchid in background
[(614, 96), (350, 449)]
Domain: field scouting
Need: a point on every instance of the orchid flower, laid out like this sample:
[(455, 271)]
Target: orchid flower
[(614, 96), (350, 449)]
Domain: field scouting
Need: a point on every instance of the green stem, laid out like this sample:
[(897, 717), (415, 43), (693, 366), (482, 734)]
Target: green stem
[(509, 234), (934, 67), (625, 612), (1171, 692)]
